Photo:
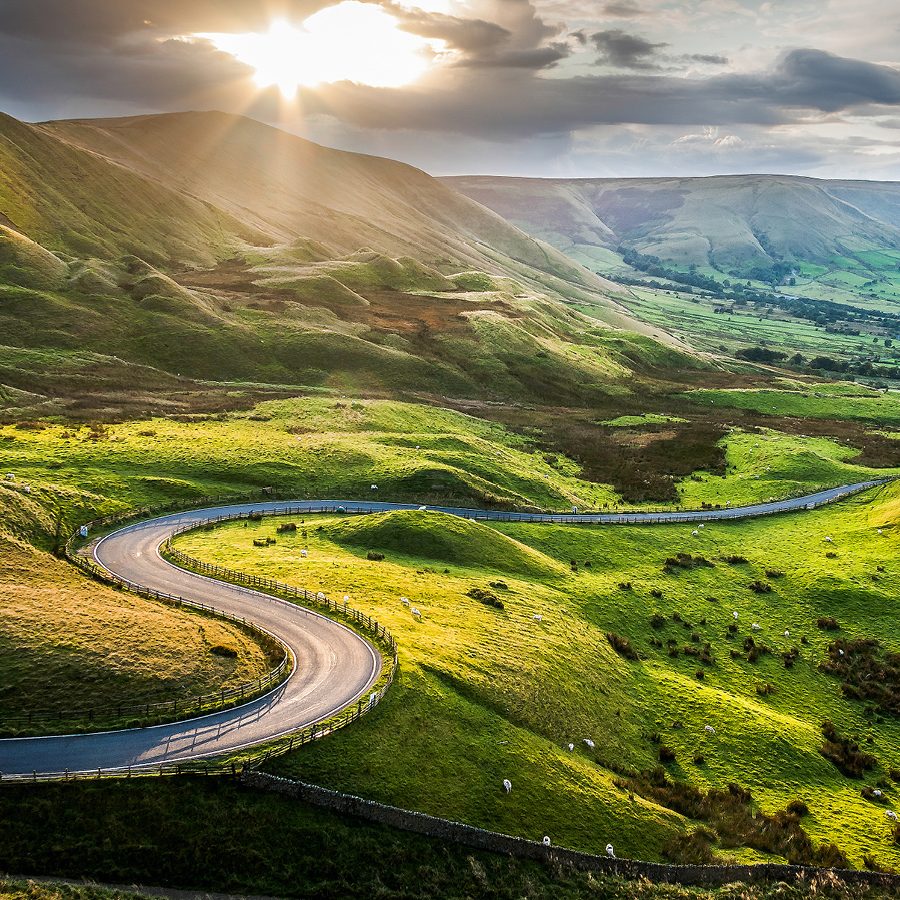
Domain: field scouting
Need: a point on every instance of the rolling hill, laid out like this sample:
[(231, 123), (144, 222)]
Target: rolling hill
[(139, 255), (729, 223)]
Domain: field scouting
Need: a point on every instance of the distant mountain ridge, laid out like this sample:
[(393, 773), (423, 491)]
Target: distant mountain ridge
[(730, 222)]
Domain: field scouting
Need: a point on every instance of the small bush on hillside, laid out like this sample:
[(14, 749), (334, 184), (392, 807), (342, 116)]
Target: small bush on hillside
[(625, 586), (657, 621), (666, 754), (774, 573), (789, 657), (735, 560), (831, 555), (499, 585), (827, 623), (264, 542), (685, 561), (286, 528), (485, 597), (845, 753), (657, 593), (760, 587), (798, 808), (373, 556), (765, 690), (622, 645)]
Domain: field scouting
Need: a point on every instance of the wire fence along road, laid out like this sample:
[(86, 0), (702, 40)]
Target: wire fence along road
[(335, 667)]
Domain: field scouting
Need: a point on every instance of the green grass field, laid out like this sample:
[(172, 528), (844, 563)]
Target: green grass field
[(487, 693), (810, 401), (97, 644)]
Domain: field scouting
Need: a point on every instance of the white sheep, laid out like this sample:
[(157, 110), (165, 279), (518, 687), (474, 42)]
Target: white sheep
[(507, 785), (891, 815), (321, 596), (702, 525), (610, 852), (694, 533), (829, 539), (27, 488), (841, 652), (404, 601), (880, 531), (10, 476), (304, 553), (734, 614), (546, 840), (373, 487), (589, 742), (538, 617), (756, 626), (876, 793), (571, 747), (346, 599), (422, 508), (416, 613), (787, 633), (709, 729)]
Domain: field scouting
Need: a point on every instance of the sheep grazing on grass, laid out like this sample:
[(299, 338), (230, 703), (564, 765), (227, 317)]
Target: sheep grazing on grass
[(546, 840), (610, 852), (694, 533), (346, 599), (876, 793), (891, 815), (507, 785), (404, 601), (702, 525), (787, 633), (422, 508), (416, 613), (589, 742), (880, 531), (538, 617), (829, 539), (304, 553), (709, 729), (373, 487), (756, 626), (734, 614), (321, 596), (571, 747), (10, 476)]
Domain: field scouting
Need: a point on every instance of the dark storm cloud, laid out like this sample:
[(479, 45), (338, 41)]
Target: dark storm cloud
[(626, 51)]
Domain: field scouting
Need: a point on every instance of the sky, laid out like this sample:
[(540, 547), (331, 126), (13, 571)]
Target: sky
[(561, 88)]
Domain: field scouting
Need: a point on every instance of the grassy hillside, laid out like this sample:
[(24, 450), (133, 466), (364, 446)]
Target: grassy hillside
[(69, 643), (639, 649), (210, 835)]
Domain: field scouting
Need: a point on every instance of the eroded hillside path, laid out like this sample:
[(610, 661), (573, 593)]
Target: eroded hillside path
[(335, 666)]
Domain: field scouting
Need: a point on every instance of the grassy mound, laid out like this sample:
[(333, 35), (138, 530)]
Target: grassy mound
[(318, 288), (444, 538), (24, 262)]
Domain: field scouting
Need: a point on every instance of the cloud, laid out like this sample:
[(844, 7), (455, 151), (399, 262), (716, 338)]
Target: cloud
[(712, 59), (623, 9), (626, 51)]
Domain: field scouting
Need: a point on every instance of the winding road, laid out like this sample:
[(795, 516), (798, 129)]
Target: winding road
[(335, 665)]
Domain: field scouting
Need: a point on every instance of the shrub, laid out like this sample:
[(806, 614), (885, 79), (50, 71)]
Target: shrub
[(666, 754), (374, 557), (685, 561), (657, 593), (774, 573), (760, 587), (286, 528), (845, 753), (485, 597), (764, 690), (499, 585), (827, 623), (621, 645), (657, 621), (735, 560), (867, 672), (798, 808), (625, 585), (831, 555)]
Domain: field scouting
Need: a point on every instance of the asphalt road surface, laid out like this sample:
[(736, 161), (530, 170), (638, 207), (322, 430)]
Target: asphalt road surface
[(335, 666)]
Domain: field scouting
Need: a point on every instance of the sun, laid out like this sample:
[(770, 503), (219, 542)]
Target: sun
[(351, 41)]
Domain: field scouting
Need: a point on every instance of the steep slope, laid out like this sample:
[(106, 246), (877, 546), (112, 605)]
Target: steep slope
[(283, 186), (728, 222)]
